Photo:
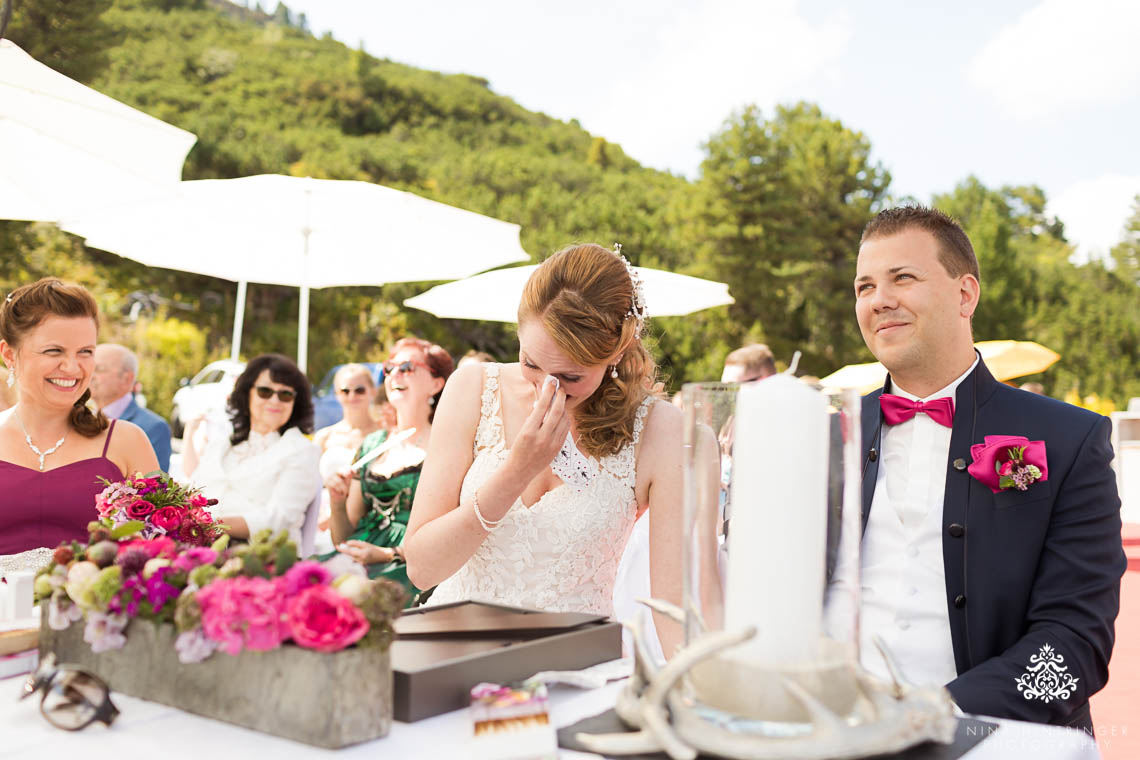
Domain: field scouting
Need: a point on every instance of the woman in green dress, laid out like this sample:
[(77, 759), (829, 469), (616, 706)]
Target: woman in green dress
[(370, 506)]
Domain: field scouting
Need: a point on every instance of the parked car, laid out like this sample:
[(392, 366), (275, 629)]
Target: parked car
[(326, 408), (206, 392)]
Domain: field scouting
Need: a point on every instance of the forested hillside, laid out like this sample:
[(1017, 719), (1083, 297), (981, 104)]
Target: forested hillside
[(776, 211)]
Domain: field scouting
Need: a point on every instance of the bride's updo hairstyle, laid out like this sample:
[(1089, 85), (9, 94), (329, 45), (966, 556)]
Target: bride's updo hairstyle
[(29, 305), (584, 298)]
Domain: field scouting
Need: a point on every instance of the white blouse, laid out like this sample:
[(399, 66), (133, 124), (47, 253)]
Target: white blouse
[(268, 480)]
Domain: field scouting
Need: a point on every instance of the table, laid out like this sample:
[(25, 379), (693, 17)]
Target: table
[(150, 730)]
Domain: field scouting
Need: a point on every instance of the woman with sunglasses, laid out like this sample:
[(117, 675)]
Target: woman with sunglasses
[(355, 392), (264, 475), (370, 507), (53, 448)]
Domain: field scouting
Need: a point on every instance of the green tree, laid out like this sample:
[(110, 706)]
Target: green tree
[(70, 36), (782, 203), (1126, 254)]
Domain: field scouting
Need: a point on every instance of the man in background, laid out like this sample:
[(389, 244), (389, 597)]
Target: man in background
[(752, 362), (116, 368)]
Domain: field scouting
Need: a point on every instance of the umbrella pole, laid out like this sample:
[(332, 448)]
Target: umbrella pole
[(239, 320), (303, 331)]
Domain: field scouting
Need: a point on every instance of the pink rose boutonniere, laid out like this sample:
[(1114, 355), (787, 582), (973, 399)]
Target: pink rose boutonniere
[(1009, 461)]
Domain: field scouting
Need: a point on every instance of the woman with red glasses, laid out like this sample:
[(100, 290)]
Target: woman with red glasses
[(264, 475), (371, 505)]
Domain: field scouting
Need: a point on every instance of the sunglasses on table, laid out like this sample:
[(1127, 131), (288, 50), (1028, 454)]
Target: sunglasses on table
[(285, 395), (359, 390), (408, 367), (72, 698)]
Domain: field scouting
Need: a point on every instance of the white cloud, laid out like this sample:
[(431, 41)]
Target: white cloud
[(1062, 55), (657, 76), (708, 61), (1095, 210)]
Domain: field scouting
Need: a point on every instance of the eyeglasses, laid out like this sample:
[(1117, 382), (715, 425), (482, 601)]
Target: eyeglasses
[(359, 390), (403, 367), (72, 698), (285, 395)]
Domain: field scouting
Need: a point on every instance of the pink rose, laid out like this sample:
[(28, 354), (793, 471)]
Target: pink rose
[(201, 516), (243, 612), (996, 449), (168, 518), (139, 509), (154, 547), (322, 619), (1006, 468), (198, 500)]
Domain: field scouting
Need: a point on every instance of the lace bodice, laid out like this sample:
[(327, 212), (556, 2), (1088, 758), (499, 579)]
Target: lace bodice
[(562, 553)]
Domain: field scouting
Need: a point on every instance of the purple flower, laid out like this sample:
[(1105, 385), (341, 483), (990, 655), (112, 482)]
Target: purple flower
[(195, 556), (133, 561), (158, 591), (129, 597), (304, 574), (194, 646), (104, 631)]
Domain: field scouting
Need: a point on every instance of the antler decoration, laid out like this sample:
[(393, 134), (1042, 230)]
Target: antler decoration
[(901, 715)]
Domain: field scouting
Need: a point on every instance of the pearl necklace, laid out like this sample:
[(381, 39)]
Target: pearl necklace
[(35, 449)]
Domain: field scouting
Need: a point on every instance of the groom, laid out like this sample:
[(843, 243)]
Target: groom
[(992, 566)]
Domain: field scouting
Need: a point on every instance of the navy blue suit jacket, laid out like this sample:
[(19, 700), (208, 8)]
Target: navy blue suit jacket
[(1024, 569), (156, 429)]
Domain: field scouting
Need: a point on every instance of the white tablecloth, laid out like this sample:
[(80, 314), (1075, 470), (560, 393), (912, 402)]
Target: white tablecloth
[(149, 730)]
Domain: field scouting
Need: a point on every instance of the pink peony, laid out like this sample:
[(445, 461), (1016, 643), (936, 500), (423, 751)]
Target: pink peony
[(242, 611), (198, 500), (201, 516), (139, 509), (168, 518), (193, 557), (302, 575), (321, 619)]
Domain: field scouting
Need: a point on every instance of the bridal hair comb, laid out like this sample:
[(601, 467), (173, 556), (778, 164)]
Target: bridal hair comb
[(637, 309)]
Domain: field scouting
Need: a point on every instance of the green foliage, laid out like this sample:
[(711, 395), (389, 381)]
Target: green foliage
[(781, 205), (70, 36)]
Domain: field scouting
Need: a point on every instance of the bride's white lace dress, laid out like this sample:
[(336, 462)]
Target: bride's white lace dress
[(562, 553)]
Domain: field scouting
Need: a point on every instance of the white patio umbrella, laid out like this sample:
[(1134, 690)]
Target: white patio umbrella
[(307, 233), (65, 146), (494, 296)]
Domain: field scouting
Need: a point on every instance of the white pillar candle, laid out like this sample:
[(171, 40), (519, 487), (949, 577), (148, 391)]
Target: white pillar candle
[(777, 538)]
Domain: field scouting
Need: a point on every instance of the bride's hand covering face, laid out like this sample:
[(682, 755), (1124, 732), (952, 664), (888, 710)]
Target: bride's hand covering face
[(580, 322)]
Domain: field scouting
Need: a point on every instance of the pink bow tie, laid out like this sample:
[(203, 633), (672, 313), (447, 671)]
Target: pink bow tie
[(897, 409)]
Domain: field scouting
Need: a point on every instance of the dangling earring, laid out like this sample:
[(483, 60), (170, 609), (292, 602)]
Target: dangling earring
[(613, 372), (12, 376), (431, 401)]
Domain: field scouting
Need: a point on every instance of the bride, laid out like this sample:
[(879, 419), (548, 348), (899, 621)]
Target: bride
[(537, 471)]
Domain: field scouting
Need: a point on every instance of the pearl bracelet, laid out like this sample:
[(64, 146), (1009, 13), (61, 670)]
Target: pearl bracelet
[(488, 525)]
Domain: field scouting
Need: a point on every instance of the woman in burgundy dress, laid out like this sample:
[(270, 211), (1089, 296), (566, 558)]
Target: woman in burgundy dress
[(53, 449)]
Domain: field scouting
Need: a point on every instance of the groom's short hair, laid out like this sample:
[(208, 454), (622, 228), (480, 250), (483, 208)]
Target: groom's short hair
[(954, 249)]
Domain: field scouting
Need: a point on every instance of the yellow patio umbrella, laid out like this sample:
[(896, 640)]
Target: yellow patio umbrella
[(1006, 359)]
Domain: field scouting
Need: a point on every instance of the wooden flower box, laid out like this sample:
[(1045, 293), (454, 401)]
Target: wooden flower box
[(327, 700)]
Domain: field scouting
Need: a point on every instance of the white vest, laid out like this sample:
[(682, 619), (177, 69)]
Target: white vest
[(904, 580)]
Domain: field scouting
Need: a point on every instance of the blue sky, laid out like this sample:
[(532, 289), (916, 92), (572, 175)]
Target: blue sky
[(1018, 92)]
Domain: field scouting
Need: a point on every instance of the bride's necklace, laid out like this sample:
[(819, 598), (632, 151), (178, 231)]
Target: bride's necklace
[(35, 449)]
